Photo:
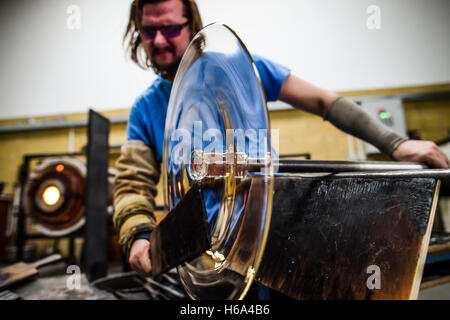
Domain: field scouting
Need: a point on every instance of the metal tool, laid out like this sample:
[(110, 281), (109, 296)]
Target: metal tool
[(8, 295), (132, 286)]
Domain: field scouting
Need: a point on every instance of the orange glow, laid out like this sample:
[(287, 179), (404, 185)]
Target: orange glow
[(51, 195), (59, 168)]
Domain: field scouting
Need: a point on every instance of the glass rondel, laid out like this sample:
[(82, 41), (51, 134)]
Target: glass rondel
[(217, 122)]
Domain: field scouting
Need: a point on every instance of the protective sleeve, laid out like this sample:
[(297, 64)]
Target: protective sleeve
[(134, 192), (352, 119)]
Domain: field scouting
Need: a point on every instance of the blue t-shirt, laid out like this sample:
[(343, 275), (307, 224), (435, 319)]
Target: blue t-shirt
[(148, 114)]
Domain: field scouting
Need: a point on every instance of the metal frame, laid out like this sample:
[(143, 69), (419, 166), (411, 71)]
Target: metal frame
[(96, 228)]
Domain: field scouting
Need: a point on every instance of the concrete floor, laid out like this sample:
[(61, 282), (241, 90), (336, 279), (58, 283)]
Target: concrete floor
[(440, 292), (55, 288)]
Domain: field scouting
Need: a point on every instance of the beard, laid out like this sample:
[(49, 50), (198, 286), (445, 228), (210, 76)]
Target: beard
[(167, 71)]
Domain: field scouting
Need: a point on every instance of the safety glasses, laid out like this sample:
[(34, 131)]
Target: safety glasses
[(172, 31)]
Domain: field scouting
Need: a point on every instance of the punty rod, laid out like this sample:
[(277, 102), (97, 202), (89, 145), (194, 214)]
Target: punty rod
[(297, 166), (212, 165)]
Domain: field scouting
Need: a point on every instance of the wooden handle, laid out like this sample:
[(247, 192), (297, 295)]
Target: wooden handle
[(53, 258)]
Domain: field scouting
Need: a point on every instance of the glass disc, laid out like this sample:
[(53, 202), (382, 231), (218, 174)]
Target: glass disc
[(218, 107)]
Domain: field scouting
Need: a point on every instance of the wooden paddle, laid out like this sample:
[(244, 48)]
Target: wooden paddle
[(20, 271)]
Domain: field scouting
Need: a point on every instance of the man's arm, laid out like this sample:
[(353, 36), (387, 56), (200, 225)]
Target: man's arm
[(134, 204), (352, 119), (305, 96)]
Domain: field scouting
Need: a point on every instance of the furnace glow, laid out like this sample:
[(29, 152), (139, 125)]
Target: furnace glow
[(51, 195)]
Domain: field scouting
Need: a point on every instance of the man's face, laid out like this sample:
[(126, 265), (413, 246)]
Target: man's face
[(165, 53)]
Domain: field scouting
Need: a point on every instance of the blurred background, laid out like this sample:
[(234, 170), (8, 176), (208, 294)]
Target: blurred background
[(59, 59)]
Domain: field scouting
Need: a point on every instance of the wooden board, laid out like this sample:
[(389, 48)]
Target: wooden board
[(20, 271), (16, 273), (182, 236), (330, 237), (439, 248), (435, 282)]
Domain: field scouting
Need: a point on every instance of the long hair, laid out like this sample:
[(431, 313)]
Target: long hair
[(132, 40)]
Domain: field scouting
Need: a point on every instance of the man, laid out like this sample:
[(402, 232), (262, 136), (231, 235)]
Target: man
[(158, 34)]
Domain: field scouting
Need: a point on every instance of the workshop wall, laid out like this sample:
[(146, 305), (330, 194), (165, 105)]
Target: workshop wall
[(431, 118), (299, 132), (304, 133), (333, 44)]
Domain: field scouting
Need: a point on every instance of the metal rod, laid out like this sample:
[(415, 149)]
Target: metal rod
[(215, 165), (298, 166), (441, 174)]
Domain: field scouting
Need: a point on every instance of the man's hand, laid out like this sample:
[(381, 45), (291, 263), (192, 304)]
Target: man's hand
[(139, 257), (426, 152)]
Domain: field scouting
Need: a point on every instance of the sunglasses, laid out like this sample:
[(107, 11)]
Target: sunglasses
[(172, 31)]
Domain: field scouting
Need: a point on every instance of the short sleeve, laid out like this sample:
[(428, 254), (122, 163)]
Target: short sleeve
[(272, 76), (136, 128)]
